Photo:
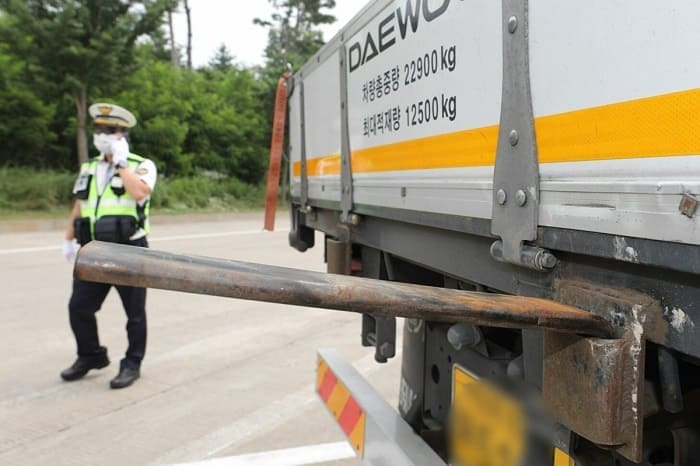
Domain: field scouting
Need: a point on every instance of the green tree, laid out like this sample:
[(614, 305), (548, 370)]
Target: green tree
[(24, 118), (84, 47), (209, 119), (293, 34), (222, 60)]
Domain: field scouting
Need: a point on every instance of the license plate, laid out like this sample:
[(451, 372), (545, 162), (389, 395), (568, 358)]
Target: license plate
[(488, 427)]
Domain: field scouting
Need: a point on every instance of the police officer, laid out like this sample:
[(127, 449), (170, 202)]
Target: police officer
[(113, 193)]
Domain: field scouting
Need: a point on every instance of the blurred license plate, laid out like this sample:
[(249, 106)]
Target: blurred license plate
[(488, 427)]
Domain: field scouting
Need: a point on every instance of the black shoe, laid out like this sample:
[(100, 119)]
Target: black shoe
[(126, 377), (83, 365)]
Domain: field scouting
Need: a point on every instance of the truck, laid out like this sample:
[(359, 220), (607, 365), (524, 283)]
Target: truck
[(520, 181)]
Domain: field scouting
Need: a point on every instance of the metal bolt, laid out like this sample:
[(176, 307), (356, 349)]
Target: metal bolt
[(520, 197), (501, 197), (354, 219), (307, 209), (513, 137), (549, 260), (463, 335), (545, 260), (387, 350), (512, 24)]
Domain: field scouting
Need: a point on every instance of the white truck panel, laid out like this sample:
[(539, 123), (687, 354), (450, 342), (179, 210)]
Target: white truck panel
[(471, 29), (585, 54), (596, 68), (294, 138)]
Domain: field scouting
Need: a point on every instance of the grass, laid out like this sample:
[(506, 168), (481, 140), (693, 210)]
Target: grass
[(44, 193)]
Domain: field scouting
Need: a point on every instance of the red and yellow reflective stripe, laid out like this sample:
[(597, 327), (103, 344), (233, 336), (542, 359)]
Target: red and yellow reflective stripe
[(349, 415), (659, 126)]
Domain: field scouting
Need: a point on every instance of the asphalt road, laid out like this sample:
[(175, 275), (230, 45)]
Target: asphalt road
[(223, 382)]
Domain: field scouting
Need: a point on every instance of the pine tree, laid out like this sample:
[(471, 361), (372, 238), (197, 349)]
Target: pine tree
[(293, 32)]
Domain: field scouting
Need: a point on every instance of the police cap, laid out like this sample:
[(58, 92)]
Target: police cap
[(111, 115)]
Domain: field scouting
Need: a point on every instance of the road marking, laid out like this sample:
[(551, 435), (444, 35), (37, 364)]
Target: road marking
[(4, 252), (258, 422), (311, 454), (213, 235)]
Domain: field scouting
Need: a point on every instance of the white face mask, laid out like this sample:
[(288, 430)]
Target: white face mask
[(103, 142)]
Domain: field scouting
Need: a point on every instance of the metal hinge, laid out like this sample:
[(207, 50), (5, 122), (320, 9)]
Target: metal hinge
[(516, 181), (345, 168)]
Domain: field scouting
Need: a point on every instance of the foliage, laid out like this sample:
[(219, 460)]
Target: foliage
[(24, 117), (190, 121), (223, 60), (57, 56), (293, 35), (82, 45), (203, 192), (23, 189), (29, 190)]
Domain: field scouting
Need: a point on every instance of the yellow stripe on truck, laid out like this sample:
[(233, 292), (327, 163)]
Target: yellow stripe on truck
[(665, 125), (660, 126)]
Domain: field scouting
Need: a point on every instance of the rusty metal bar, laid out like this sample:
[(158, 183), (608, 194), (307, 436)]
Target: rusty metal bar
[(129, 265)]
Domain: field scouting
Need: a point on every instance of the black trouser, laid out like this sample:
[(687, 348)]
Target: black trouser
[(86, 300)]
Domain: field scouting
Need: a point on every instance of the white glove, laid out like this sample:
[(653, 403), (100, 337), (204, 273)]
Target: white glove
[(120, 152), (70, 249)]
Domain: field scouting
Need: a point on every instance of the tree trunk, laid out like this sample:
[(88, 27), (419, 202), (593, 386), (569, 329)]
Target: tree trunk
[(189, 35), (80, 99), (174, 56)]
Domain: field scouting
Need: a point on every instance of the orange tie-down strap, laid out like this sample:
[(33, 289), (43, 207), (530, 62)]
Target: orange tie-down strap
[(349, 415), (274, 167)]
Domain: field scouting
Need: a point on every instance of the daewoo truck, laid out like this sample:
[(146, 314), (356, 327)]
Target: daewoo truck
[(519, 180)]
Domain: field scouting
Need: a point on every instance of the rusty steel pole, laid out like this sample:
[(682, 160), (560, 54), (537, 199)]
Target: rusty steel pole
[(129, 265)]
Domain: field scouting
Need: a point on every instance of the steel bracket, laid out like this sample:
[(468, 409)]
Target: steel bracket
[(346, 194), (300, 236), (595, 386), (379, 332), (516, 183)]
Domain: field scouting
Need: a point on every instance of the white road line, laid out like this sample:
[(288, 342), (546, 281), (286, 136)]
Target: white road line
[(35, 249), (4, 252), (311, 454), (213, 235), (257, 423)]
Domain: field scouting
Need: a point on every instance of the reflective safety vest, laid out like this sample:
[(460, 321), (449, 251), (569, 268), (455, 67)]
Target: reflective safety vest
[(115, 200)]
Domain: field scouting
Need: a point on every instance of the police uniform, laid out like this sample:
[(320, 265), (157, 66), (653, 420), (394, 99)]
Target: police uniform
[(109, 213)]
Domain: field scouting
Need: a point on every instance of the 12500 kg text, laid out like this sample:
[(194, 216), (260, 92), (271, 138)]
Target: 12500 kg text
[(431, 109)]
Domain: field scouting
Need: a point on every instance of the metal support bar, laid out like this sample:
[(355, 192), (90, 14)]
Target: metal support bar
[(129, 265), (345, 168), (516, 181), (302, 140), (338, 258), (671, 393)]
